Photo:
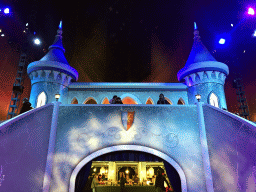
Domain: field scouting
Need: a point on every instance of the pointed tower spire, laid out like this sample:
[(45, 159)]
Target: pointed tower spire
[(56, 50), (55, 58), (58, 39), (200, 58), (203, 74)]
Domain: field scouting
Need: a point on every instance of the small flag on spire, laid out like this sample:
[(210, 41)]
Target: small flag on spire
[(195, 27), (60, 25)]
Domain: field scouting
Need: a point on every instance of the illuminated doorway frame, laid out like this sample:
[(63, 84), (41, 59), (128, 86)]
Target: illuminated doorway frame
[(127, 148)]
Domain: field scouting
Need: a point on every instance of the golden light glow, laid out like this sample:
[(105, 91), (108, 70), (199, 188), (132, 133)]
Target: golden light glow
[(151, 172), (129, 100), (149, 101), (105, 101)]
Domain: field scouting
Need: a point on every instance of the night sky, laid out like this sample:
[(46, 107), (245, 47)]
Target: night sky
[(131, 41)]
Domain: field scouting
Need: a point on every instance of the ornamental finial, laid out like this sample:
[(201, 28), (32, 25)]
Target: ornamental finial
[(59, 31), (196, 32)]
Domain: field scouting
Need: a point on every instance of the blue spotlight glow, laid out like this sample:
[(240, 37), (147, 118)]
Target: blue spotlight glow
[(222, 41), (254, 34), (6, 10), (251, 11)]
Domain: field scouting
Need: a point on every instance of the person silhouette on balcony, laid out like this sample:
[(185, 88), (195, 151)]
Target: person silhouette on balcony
[(118, 101), (162, 100), (113, 100), (26, 106)]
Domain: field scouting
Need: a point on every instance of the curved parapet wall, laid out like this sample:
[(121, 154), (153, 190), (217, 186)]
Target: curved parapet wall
[(231, 142), (23, 150)]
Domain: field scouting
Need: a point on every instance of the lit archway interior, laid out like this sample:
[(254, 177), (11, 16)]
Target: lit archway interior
[(214, 100), (90, 101), (149, 101), (41, 99), (74, 101), (105, 101), (181, 102), (167, 99), (129, 100), (137, 167)]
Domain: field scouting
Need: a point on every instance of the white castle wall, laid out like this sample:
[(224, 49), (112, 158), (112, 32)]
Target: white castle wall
[(139, 92), (83, 130)]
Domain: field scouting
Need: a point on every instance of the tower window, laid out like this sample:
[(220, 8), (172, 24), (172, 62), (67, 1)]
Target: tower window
[(41, 99), (214, 100)]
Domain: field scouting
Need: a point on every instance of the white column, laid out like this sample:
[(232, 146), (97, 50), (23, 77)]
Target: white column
[(112, 171), (142, 171), (49, 161), (204, 147)]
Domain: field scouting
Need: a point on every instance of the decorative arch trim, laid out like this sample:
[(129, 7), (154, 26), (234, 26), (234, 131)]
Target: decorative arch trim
[(41, 99), (73, 100), (89, 98), (126, 148), (132, 97)]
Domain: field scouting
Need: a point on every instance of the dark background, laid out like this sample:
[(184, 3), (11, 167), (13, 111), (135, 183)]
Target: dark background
[(131, 41)]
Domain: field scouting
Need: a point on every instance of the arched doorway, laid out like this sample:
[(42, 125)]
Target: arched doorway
[(41, 99), (128, 172), (213, 100), (177, 176)]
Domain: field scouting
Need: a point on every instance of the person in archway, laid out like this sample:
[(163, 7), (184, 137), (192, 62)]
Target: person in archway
[(162, 100), (113, 100), (94, 183), (122, 182), (159, 184)]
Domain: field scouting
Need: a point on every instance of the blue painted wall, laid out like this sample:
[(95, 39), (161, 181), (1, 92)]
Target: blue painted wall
[(232, 146), (84, 129), (24, 143), (205, 89)]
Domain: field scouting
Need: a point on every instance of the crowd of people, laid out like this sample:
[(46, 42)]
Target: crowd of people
[(160, 182), (117, 100)]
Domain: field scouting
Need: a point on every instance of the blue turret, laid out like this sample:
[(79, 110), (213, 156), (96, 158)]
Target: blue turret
[(204, 75), (50, 75)]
